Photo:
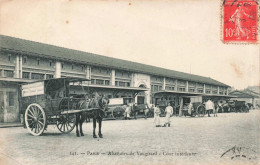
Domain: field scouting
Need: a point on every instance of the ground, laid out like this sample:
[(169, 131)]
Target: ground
[(188, 141)]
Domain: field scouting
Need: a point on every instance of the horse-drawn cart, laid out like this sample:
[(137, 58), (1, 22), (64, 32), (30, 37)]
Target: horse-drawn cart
[(50, 102), (197, 108)]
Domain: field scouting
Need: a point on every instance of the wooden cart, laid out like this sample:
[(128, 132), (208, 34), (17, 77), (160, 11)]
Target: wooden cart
[(49, 102)]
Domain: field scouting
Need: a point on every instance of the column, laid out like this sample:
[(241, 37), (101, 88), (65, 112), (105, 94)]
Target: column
[(218, 90), (16, 72), (57, 69), (164, 84), (88, 72), (4, 106), (176, 85), (21, 66), (196, 87), (113, 77), (187, 86), (204, 88), (132, 80), (227, 90), (181, 105)]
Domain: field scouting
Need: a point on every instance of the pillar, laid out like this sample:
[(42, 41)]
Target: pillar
[(181, 105), (218, 90), (88, 72), (164, 84), (113, 77), (204, 88), (176, 85), (227, 90), (187, 86), (196, 87), (57, 69), (17, 64), (132, 80), (21, 66)]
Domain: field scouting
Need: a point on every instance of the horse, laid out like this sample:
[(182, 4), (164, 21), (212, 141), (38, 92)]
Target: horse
[(100, 105)]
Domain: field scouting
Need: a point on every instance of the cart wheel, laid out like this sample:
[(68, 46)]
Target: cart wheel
[(35, 119), (201, 110), (66, 123)]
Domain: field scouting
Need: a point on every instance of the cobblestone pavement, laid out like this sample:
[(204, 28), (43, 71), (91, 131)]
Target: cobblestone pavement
[(187, 141)]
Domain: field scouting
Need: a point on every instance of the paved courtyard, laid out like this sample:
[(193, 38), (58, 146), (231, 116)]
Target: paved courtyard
[(188, 141)]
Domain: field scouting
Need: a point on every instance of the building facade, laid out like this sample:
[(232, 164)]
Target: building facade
[(24, 61)]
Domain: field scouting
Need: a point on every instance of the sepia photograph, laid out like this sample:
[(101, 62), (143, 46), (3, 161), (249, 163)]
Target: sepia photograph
[(129, 82)]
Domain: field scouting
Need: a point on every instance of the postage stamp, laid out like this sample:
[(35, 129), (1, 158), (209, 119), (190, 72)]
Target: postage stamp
[(239, 21)]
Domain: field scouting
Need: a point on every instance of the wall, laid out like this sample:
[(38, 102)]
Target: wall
[(142, 79)]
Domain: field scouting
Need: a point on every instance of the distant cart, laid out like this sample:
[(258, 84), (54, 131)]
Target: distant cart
[(198, 109), (50, 102)]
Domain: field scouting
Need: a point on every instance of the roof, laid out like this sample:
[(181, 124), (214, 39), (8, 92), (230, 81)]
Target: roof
[(244, 94), (194, 94), (50, 51)]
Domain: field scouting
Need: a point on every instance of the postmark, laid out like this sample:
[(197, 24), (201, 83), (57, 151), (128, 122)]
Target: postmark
[(238, 153), (240, 21)]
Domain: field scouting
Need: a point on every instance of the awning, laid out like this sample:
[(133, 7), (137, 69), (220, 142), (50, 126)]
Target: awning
[(17, 80), (117, 87), (193, 94)]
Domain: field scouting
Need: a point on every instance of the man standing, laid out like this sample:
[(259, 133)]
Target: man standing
[(169, 112), (209, 106)]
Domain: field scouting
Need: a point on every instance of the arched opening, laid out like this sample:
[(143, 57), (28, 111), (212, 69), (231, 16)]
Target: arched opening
[(141, 97)]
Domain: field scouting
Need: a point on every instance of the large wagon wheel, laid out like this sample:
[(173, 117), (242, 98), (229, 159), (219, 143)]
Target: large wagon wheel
[(201, 110), (66, 123), (35, 119)]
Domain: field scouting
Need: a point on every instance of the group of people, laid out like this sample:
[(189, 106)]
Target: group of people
[(168, 112), (209, 105)]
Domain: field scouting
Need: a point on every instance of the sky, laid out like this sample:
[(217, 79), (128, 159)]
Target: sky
[(181, 35)]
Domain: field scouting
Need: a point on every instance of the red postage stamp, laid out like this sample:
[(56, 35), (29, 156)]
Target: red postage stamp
[(239, 18)]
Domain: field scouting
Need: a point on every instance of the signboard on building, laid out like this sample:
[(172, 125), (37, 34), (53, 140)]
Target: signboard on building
[(33, 89), (116, 101)]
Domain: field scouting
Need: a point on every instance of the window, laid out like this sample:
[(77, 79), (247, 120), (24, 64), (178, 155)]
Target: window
[(208, 91), (62, 65), (50, 63), (116, 83), (160, 88), (121, 84), (215, 92), (37, 76), (200, 90), (38, 61), (169, 88), (92, 81), (49, 76), (181, 89), (24, 59), (191, 90), (155, 87), (107, 82), (99, 82), (72, 66), (9, 57), (128, 84), (26, 75), (11, 98), (82, 68), (8, 73)]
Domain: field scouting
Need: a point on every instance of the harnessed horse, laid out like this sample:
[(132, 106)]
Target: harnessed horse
[(99, 103)]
